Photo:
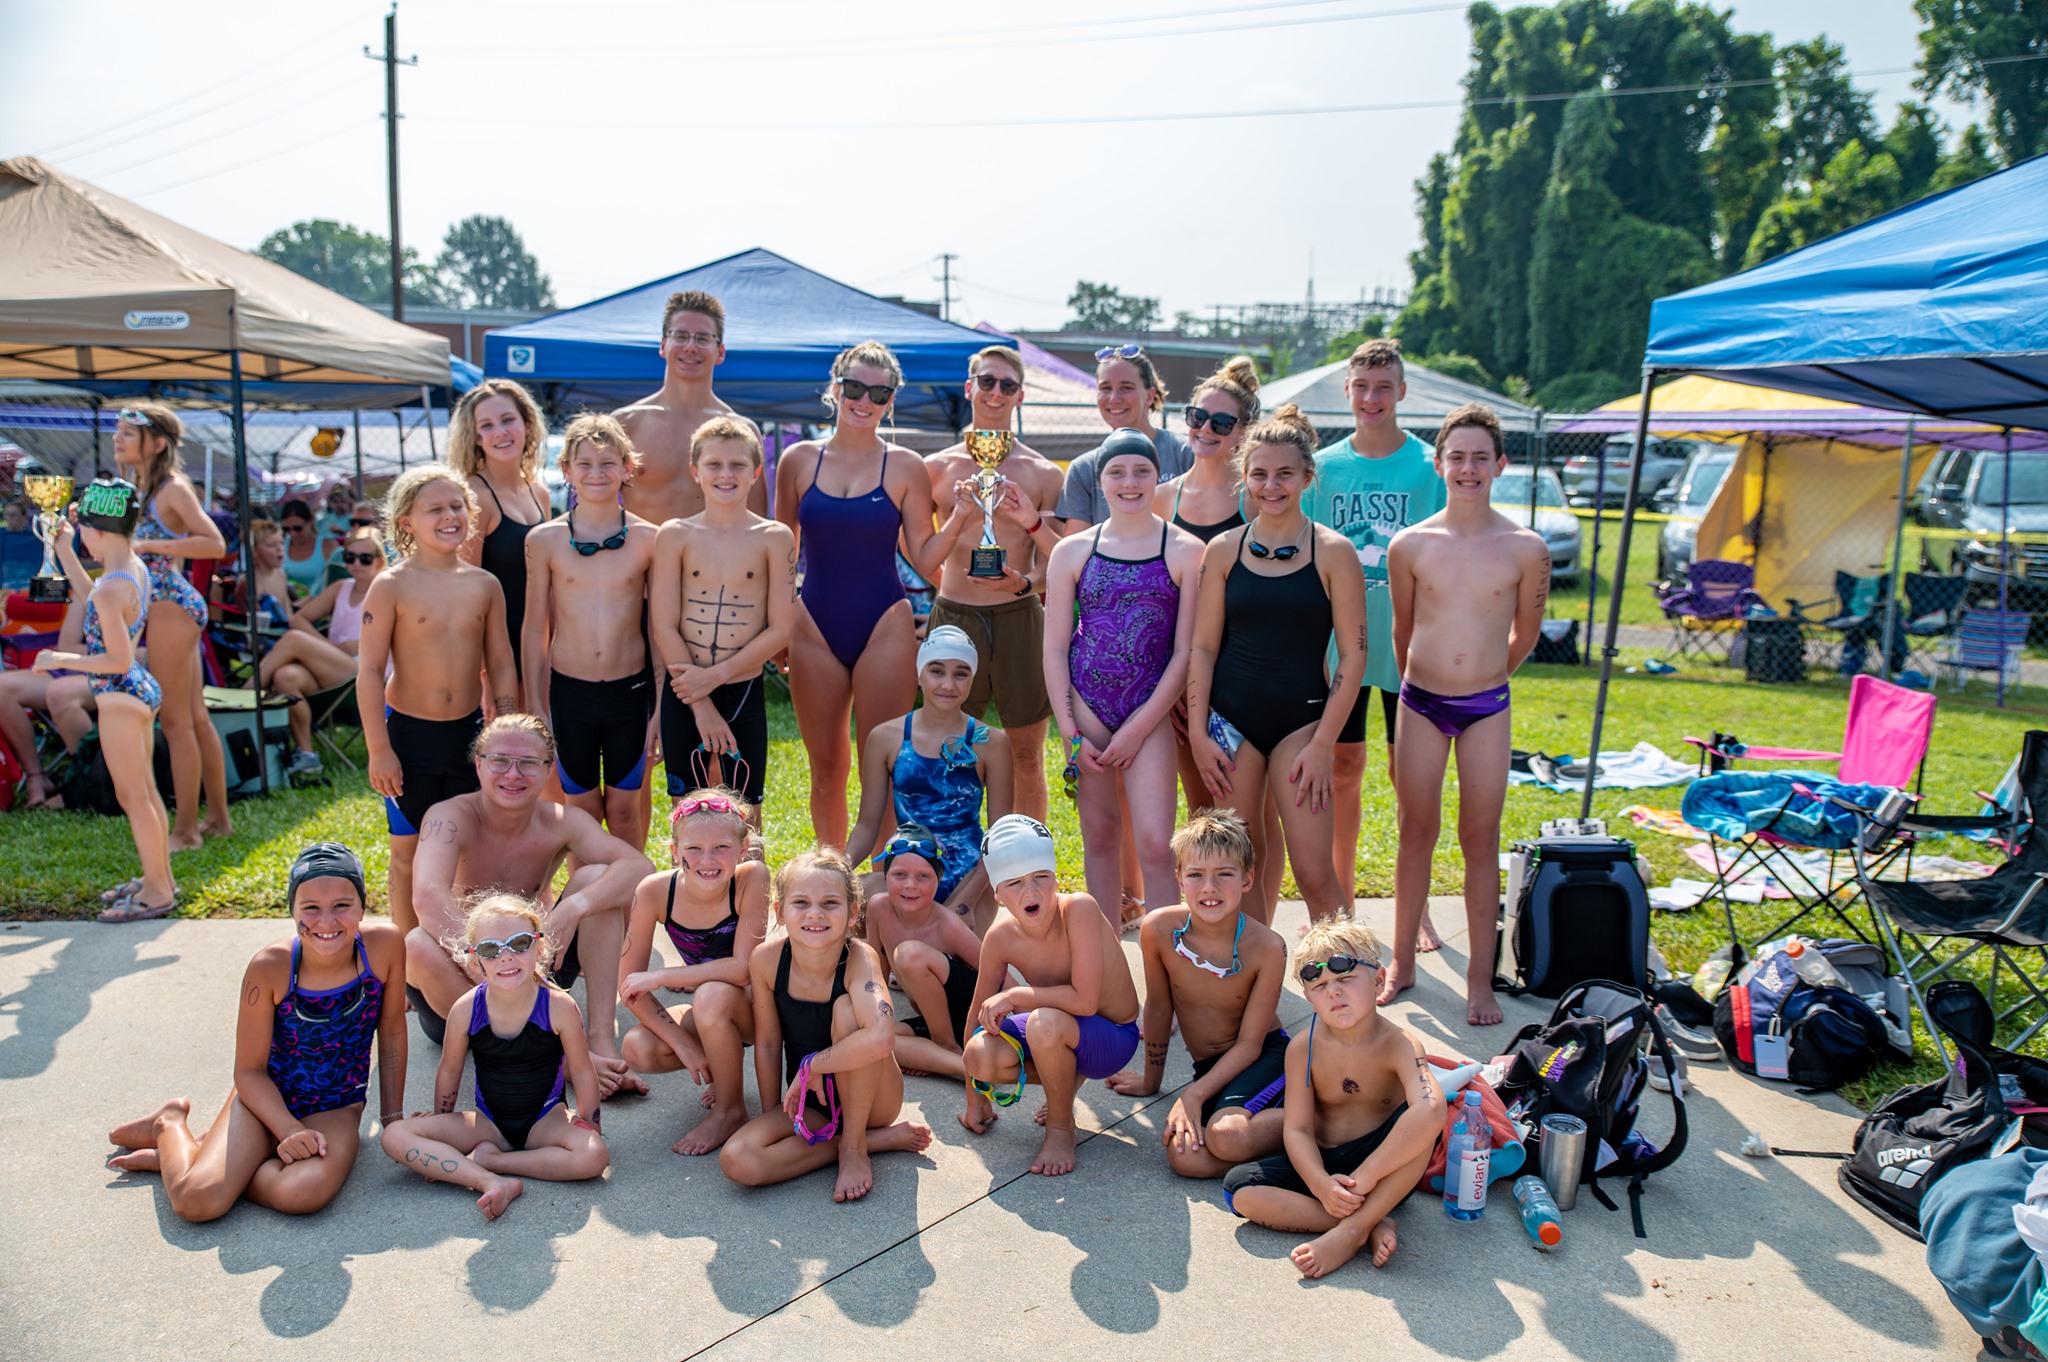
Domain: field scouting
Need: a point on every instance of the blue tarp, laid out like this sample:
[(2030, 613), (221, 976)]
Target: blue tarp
[(1936, 307), (784, 324), (1734, 804)]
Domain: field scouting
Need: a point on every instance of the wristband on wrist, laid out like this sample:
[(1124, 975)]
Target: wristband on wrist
[(1035, 526), (1024, 591)]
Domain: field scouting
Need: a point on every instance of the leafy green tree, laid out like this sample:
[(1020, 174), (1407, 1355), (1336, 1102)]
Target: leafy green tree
[(1962, 47), (484, 263), (1855, 186), (1340, 347), (1969, 159), (1583, 391), (1742, 160), (354, 263), (1464, 368), (1106, 308), (1914, 143), (1824, 111)]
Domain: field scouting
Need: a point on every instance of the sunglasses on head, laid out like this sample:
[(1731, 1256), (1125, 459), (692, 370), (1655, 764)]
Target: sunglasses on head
[(498, 764), (1337, 965), (988, 383), (519, 943), (365, 558), (853, 390), (1222, 422), (137, 418), (1118, 352)]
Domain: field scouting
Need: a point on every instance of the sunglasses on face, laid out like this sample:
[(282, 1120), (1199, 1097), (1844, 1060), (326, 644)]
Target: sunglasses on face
[(853, 390), (988, 383), (703, 340), (364, 558), (499, 764), (1222, 422), (1118, 352), (359, 521), (519, 943), (294, 526), (1337, 965)]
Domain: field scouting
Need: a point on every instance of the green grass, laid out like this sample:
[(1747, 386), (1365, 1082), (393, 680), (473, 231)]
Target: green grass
[(53, 865)]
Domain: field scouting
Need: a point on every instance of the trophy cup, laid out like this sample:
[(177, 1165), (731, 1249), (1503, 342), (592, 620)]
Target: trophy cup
[(988, 449), (51, 494)]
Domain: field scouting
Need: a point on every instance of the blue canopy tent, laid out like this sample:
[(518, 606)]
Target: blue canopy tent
[(784, 325), (1933, 308)]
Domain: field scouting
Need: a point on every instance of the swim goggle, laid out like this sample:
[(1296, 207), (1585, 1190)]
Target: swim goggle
[(1336, 965), (519, 943), (988, 1090), (915, 846)]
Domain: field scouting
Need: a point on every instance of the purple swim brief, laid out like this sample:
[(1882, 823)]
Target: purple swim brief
[(1105, 1046), (1453, 714)]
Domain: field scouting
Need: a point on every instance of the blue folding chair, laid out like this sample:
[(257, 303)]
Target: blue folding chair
[(1985, 641)]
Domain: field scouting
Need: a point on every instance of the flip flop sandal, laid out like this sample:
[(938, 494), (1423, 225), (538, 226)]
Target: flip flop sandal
[(135, 910), (122, 892)]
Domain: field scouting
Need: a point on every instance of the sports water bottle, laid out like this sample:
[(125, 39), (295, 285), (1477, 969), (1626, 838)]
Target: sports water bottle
[(1467, 1163), (1811, 965), (1539, 1212)]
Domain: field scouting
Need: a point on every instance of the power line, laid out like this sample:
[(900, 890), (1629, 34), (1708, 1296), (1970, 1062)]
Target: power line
[(67, 147), (269, 116), (327, 136)]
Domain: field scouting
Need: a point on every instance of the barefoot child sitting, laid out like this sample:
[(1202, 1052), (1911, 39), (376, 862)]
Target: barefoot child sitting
[(287, 1136), (527, 1036), (1227, 1012), (931, 950), (1074, 1017), (715, 911), (1468, 588), (820, 999), (1363, 1112)]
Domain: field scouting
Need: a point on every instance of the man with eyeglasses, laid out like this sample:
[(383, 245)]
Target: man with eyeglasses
[(507, 836), (1370, 486), (1004, 616), (662, 424)]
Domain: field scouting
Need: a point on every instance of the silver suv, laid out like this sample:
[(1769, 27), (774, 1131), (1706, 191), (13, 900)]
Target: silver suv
[(1685, 500), (1583, 475)]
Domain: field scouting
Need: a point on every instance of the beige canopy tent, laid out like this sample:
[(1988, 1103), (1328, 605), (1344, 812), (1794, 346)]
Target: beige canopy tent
[(95, 287)]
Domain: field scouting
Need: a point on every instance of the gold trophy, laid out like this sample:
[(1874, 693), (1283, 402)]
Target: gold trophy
[(988, 449), (51, 494)]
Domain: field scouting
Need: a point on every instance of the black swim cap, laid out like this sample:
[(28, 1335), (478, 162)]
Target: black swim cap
[(319, 861), (110, 504), (1127, 441)]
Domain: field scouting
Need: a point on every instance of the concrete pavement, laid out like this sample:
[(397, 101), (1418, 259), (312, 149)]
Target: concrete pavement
[(955, 1251)]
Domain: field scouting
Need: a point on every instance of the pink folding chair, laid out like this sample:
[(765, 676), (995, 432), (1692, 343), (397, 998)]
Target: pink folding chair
[(1885, 736)]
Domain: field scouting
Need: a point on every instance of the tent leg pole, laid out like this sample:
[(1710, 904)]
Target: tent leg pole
[(1891, 600), (248, 553), (1593, 568), (2004, 559), (358, 415), (427, 419), (1628, 520)]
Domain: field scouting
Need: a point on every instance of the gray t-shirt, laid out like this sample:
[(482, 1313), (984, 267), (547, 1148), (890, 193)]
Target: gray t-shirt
[(1081, 494)]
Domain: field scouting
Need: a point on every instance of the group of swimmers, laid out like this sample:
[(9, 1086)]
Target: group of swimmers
[(1212, 612)]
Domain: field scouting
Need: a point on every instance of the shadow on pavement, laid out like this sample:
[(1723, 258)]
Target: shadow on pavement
[(58, 996)]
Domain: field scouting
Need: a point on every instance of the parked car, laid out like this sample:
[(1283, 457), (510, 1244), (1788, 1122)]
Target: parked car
[(1558, 526), (1685, 499), (1662, 460), (1968, 491)]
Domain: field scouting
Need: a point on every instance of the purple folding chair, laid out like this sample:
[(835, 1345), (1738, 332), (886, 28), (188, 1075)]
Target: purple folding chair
[(1885, 736), (1707, 612)]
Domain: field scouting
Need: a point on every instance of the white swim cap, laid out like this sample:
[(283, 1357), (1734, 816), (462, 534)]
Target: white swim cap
[(947, 642), (1016, 846)]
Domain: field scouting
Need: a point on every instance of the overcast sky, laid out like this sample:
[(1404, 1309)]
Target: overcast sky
[(631, 139)]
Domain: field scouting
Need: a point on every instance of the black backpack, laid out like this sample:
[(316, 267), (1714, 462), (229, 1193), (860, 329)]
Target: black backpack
[(1917, 1134), (1834, 1036), (1592, 1060), (1581, 914)]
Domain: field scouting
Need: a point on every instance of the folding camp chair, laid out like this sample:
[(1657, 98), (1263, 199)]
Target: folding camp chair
[(1708, 610), (1856, 616), (1934, 610), (1985, 641), (1884, 743), (337, 724), (2005, 913)]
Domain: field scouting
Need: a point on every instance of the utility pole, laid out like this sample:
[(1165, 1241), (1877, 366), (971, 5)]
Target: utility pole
[(946, 259), (392, 61)]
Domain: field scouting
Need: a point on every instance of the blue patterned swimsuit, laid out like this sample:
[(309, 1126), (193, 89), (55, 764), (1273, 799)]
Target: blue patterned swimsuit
[(944, 794), (320, 1040), (170, 584), (136, 681)]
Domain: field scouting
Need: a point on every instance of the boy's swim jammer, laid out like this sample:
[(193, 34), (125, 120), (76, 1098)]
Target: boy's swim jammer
[(1279, 1171), (433, 759), (1265, 1076), (1104, 1047)]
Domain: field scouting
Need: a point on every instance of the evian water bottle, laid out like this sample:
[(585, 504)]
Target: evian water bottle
[(1468, 1160)]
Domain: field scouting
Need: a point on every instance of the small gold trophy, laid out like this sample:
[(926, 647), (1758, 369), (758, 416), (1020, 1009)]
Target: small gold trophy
[(988, 449), (51, 494)]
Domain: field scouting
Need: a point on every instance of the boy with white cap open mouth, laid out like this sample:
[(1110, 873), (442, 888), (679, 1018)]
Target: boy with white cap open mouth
[(1074, 1017)]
